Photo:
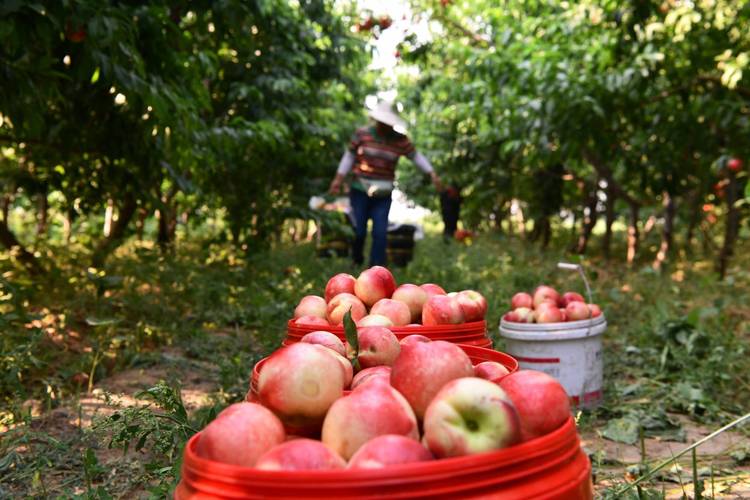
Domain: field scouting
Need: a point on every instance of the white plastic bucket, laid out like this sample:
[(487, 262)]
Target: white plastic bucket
[(570, 351)]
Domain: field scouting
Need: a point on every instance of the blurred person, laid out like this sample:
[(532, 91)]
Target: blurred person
[(450, 209), (371, 158)]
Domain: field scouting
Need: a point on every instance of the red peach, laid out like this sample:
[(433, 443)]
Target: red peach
[(300, 454), (341, 283), (389, 449), (374, 284), (240, 435), (311, 305), (340, 304), (442, 310), (395, 310), (414, 297)]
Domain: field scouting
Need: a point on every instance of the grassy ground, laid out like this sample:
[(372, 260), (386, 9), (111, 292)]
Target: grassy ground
[(105, 375)]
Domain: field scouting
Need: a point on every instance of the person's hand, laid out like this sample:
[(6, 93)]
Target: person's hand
[(335, 186), (436, 181)]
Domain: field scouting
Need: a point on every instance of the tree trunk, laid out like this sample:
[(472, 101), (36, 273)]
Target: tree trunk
[(520, 220), (633, 236), (589, 220), (667, 232), (140, 223), (42, 213), (695, 218), (610, 219), (109, 214), (732, 226), (117, 232), (5, 206)]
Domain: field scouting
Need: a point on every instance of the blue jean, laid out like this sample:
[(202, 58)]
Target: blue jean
[(365, 208)]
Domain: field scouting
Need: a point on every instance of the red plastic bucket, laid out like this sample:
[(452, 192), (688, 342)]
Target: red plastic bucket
[(476, 354), (474, 333), (549, 467)]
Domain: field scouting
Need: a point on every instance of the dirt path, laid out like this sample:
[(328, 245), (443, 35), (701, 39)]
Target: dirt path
[(615, 461)]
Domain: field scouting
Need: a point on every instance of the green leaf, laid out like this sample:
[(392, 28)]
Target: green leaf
[(95, 76), (350, 329), (621, 430)]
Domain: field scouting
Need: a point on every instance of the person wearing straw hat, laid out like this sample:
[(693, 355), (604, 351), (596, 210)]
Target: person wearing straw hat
[(371, 157)]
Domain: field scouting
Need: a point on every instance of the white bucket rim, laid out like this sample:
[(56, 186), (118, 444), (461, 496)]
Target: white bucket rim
[(568, 330)]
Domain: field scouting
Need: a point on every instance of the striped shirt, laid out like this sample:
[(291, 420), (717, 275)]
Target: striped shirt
[(376, 157)]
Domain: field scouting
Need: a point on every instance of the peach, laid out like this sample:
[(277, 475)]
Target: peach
[(396, 311), (423, 368), (311, 305), (377, 346), (300, 382), (442, 310), (414, 297), (340, 304), (389, 449), (473, 304), (341, 283), (240, 434), (370, 411), (374, 284), (326, 339), (300, 454)]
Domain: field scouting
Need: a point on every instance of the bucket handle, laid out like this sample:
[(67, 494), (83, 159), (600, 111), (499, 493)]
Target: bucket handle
[(578, 267)]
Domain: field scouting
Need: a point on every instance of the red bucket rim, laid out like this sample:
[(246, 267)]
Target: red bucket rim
[(504, 359)]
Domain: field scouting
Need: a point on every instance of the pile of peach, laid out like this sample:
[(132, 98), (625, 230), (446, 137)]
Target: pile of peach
[(389, 403), (546, 305), (374, 299)]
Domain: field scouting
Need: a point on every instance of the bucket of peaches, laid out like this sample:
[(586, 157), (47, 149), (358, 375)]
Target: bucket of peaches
[(375, 299)]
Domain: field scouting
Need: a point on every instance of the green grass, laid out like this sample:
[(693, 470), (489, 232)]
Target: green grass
[(676, 343)]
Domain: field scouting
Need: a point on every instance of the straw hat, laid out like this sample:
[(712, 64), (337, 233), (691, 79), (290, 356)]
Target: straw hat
[(384, 113)]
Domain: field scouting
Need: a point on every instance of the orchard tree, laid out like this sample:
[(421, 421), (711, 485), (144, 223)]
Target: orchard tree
[(138, 107)]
